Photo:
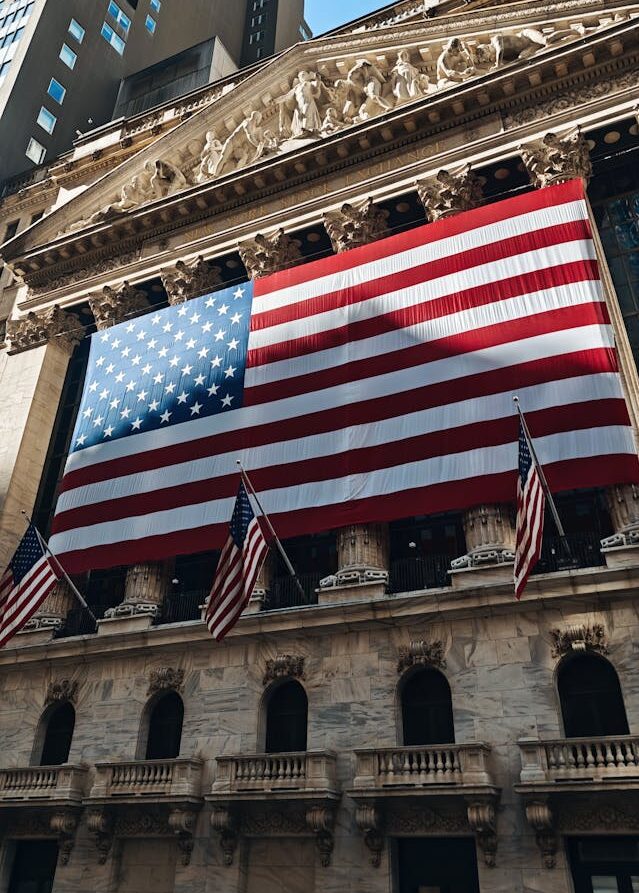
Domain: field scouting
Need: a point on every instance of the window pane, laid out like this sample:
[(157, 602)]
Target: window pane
[(76, 30), (35, 151), (114, 39), (68, 56), (119, 17), (150, 24), (155, 5), (604, 884), (56, 91), (46, 120)]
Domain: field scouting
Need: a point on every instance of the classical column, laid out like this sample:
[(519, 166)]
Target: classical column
[(53, 611), (53, 326), (263, 255), (490, 537), (362, 549), (146, 584), (556, 159), (190, 280)]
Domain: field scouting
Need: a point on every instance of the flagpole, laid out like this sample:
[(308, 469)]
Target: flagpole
[(542, 478), (279, 545), (72, 586)]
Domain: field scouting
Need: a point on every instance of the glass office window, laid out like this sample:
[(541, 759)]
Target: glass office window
[(46, 120), (68, 56), (119, 17), (76, 30), (35, 151), (56, 91), (114, 39), (155, 5), (150, 24)]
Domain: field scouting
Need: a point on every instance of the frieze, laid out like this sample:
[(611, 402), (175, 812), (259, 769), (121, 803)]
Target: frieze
[(414, 820), (96, 269), (593, 816), (273, 823)]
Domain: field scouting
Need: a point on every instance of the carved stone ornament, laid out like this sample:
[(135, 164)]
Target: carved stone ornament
[(36, 329), (490, 537), (62, 690), (623, 505), (165, 679), (579, 638), (541, 820), (354, 225), (557, 158), (64, 825), (182, 823), (284, 666), (482, 820), (185, 281), (225, 824), (420, 653), (100, 824), (114, 305), (369, 820), (362, 556), (320, 819), (269, 254), (449, 192)]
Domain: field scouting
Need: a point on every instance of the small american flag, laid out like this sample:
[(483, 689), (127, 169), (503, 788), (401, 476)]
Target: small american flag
[(240, 562), (531, 503), (25, 584)]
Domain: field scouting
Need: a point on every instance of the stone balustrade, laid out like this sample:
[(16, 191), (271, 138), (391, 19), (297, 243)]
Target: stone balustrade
[(445, 764), (168, 779), (579, 759), (66, 783), (301, 772)]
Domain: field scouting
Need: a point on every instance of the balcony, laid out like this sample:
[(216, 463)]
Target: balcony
[(432, 788), (585, 551), (156, 780), (279, 775), (420, 572), (43, 784), (580, 763)]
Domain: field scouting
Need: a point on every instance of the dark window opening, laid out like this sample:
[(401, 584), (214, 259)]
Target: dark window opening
[(11, 230), (165, 728), (591, 700), (421, 550), (437, 865), (286, 719), (57, 739), (34, 866), (604, 864), (427, 709)]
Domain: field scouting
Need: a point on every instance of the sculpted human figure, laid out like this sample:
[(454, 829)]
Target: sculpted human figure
[(331, 123), (242, 147), (405, 79), (211, 154), (373, 104), (510, 47), (164, 178), (364, 73), (455, 63), (306, 92)]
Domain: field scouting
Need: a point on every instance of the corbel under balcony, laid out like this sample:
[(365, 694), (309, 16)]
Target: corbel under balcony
[(275, 794), (43, 801), (153, 798), (435, 789), (573, 785)]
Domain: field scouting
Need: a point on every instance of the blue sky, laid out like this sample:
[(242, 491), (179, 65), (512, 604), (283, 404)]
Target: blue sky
[(323, 15)]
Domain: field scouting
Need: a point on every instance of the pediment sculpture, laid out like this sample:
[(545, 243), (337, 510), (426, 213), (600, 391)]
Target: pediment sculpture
[(317, 105)]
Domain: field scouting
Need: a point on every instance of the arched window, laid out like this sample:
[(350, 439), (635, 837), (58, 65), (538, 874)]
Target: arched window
[(57, 738), (165, 728), (286, 719), (591, 699), (427, 709)]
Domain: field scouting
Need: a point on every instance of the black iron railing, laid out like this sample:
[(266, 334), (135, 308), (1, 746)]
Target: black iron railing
[(285, 594), (420, 572), (79, 623), (182, 606), (584, 551)]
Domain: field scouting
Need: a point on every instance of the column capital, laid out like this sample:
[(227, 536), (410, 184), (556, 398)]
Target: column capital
[(557, 158), (266, 254), (54, 325), (449, 192), (113, 305), (355, 224), (190, 280)]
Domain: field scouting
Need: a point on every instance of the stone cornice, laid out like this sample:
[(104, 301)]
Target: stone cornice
[(589, 589)]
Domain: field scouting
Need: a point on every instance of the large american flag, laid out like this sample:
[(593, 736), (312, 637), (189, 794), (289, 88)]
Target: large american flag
[(372, 385), (24, 585), (531, 504), (239, 565)]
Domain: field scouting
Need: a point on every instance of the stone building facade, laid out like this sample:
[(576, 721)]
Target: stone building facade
[(407, 726)]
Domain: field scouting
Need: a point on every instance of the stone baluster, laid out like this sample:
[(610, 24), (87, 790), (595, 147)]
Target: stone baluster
[(362, 549), (146, 584), (549, 161), (263, 255), (490, 536), (190, 280)]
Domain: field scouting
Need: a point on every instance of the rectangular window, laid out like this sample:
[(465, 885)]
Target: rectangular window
[(155, 5), (114, 39), (35, 151), (256, 37), (56, 91), (68, 56), (76, 30), (35, 217), (46, 120), (150, 25), (119, 17), (4, 70), (11, 230)]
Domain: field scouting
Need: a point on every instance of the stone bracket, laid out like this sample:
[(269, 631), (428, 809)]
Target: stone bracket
[(482, 819), (225, 823), (321, 820), (370, 821), (541, 820), (100, 824), (182, 823), (64, 824)]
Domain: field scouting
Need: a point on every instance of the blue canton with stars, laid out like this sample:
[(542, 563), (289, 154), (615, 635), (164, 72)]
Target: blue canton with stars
[(28, 553), (242, 516), (525, 459), (176, 365)]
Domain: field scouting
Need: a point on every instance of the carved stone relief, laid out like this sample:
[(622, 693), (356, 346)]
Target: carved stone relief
[(420, 653), (165, 679), (449, 192), (113, 305), (185, 281), (579, 638), (62, 690), (354, 225), (37, 329), (557, 158), (284, 666), (267, 254)]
